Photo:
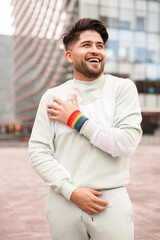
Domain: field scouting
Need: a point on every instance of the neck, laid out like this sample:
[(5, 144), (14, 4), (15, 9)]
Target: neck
[(84, 78)]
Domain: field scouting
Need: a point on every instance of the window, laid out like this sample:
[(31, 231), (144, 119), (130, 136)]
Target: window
[(126, 19), (152, 71), (152, 48), (140, 39), (113, 45), (140, 55), (153, 20), (148, 86), (124, 24), (110, 21), (153, 6), (140, 23), (141, 5), (151, 56), (123, 53), (111, 3), (109, 16), (125, 45), (127, 4)]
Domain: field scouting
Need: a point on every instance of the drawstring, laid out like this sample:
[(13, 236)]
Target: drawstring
[(81, 216), (92, 218)]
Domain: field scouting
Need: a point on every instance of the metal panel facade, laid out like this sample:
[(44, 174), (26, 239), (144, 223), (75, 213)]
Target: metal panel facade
[(39, 61)]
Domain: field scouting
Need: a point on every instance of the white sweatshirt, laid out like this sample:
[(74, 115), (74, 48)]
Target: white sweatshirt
[(98, 155)]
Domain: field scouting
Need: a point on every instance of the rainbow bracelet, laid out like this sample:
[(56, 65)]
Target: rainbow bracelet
[(76, 120)]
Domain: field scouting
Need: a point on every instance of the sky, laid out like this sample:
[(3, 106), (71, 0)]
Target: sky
[(6, 19)]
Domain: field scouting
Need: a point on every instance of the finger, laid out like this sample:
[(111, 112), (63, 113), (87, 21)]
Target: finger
[(59, 101), (88, 211), (95, 192), (97, 199), (52, 111), (74, 99), (94, 210), (101, 201), (91, 210), (99, 208), (53, 106), (55, 118)]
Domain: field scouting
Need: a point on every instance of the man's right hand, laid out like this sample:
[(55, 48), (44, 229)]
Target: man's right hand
[(87, 200)]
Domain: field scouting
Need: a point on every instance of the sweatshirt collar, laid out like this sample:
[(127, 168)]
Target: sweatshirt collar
[(89, 83)]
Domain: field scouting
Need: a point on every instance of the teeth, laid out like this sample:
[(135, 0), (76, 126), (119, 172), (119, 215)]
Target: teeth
[(94, 60)]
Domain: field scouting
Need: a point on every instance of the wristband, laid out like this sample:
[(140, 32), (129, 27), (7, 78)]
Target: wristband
[(76, 120)]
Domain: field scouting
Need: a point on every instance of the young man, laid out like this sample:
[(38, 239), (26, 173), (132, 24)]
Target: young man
[(84, 133)]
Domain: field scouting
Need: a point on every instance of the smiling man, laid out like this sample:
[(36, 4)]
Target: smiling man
[(84, 133)]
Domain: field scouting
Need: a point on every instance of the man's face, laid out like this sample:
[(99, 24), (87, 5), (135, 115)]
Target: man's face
[(87, 56)]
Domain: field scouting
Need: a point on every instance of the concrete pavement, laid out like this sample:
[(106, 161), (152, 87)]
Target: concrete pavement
[(144, 189), (23, 194)]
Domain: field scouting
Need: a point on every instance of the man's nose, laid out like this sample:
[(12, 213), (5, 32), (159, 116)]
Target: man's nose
[(94, 49)]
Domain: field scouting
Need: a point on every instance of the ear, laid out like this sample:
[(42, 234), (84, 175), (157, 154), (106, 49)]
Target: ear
[(69, 56)]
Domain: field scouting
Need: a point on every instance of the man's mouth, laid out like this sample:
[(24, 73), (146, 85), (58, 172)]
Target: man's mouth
[(93, 60)]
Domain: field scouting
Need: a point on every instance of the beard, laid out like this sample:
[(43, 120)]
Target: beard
[(89, 71)]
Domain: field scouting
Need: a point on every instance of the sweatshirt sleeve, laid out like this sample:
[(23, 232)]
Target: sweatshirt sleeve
[(123, 137), (41, 152)]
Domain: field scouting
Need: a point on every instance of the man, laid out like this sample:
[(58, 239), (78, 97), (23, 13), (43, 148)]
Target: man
[(81, 147)]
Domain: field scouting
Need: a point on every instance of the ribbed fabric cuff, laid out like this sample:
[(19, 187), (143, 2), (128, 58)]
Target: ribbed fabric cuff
[(89, 129), (76, 120), (67, 189)]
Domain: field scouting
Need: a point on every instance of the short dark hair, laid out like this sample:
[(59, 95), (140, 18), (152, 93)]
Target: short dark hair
[(84, 24)]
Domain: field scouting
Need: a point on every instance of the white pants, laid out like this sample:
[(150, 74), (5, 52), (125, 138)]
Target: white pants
[(68, 222)]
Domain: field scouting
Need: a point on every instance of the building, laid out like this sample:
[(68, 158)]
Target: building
[(39, 61), (133, 49), (6, 97)]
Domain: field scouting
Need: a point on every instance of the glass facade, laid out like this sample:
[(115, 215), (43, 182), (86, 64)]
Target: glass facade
[(39, 61), (134, 30), (133, 48)]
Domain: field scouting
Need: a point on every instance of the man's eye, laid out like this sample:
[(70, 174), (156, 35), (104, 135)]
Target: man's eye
[(100, 46), (86, 45)]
